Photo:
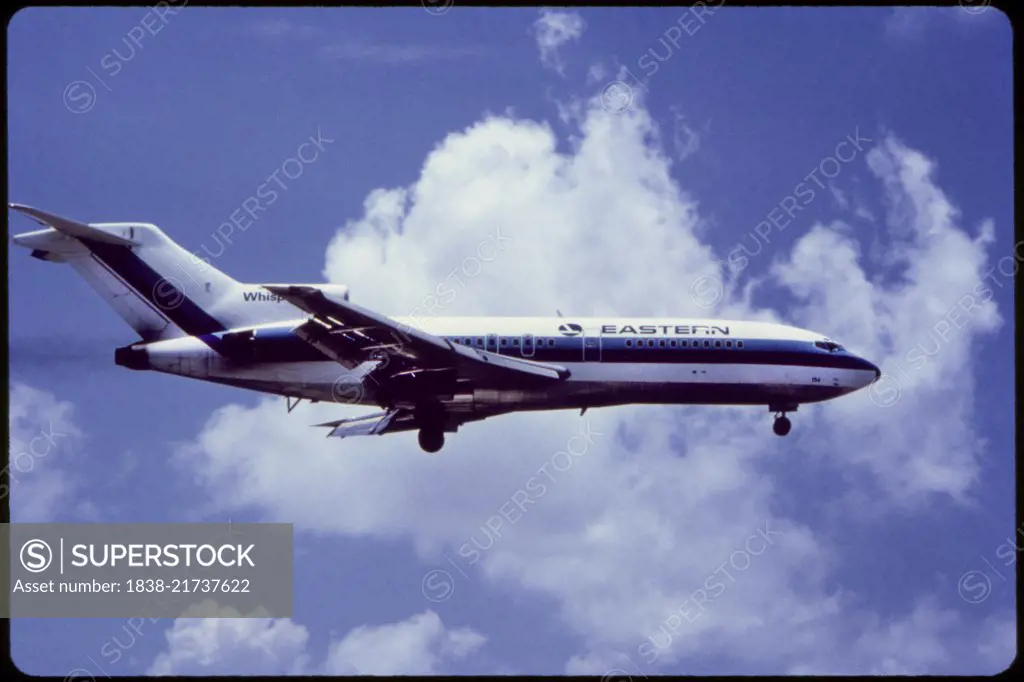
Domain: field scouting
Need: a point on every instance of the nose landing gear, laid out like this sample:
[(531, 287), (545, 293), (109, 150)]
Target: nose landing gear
[(782, 425)]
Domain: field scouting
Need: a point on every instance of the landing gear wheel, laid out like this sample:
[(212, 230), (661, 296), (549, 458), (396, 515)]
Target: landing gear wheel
[(431, 440), (782, 426)]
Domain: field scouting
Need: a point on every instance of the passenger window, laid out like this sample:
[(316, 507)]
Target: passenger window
[(629, 343), (728, 344), (718, 344), (672, 343), (504, 342), (661, 343), (739, 344), (707, 344), (650, 343)]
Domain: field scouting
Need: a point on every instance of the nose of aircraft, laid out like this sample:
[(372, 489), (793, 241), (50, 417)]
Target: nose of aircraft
[(871, 367)]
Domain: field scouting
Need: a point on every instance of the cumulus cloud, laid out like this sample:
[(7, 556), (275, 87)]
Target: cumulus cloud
[(929, 638), (919, 327), (43, 441), (229, 645), (665, 511), (417, 646), (998, 643), (553, 29), (235, 646)]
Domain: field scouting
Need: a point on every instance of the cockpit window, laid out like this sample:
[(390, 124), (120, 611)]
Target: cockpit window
[(830, 346)]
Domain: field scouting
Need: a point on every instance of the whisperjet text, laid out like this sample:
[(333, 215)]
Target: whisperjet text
[(161, 555), (678, 329), (251, 296)]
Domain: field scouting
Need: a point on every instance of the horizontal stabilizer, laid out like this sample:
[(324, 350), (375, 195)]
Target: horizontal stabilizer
[(71, 227)]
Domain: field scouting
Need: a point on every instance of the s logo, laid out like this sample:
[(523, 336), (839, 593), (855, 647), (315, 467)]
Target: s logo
[(570, 329), (36, 556)]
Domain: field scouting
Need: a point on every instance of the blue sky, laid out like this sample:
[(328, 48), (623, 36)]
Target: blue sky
[(624, 152)]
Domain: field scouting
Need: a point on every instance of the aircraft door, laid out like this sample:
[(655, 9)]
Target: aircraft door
[(527, 345), (492, 343), (591, 349)]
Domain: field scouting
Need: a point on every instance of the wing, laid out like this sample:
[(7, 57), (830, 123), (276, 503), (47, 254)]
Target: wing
[(393, 421), (352, 335)]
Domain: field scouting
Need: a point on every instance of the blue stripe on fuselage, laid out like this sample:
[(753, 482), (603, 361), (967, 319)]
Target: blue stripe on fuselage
[(279, 344)]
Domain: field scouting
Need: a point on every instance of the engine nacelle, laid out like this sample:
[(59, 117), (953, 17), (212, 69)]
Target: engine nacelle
[(486, 399), (339, 291)]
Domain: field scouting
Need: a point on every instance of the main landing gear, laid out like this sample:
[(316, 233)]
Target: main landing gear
[(431, 439), (431, 419), (782, 425)]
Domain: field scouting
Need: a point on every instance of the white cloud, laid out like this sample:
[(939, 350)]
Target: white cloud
[(278, 646), (395, 54), (919, 330), (43, 441), (417, 646), (685, 140), (998, 647), (597, 73), (926, 640), (553, 29), (665, 498), (913, 23), (839, 197), (864, 213), (333, 47), (232, 645)]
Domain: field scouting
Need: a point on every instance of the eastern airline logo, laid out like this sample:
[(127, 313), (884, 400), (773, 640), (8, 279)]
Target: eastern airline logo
[(677, 329), (570, 329)]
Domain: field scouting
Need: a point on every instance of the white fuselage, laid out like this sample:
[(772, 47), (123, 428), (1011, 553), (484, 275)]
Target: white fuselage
[(610, 361)]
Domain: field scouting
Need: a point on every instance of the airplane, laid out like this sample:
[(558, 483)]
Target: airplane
[(431, 375)]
